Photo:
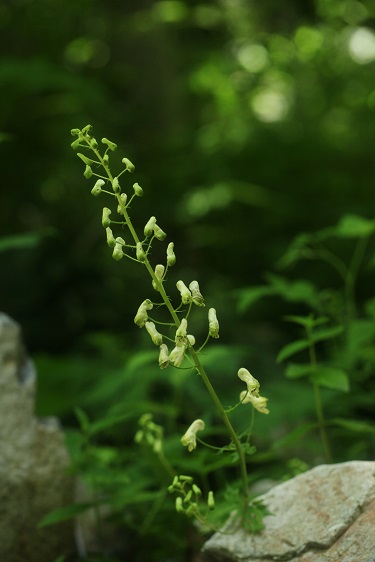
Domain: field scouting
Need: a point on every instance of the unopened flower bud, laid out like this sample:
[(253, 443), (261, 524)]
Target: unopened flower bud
[(189, 439), (184, 291), (106, 221), (149, 228), (106, 159), (210, 500), (120, 240), (157, 338), (116, 185), (159, 233), (179, 507), (88, 172), (187, 498), (85, 159), (129, 165), (111, 145), (75, 144), (96, 190), (163, 356), (141, 256), (141, 317), (110, 238), (123, 197), (117, 253), (94, 144), (191, 339), (171, 258), (197, 491), (196, 294), (159, 272), (137, 190), (213, 324), (75, 132)]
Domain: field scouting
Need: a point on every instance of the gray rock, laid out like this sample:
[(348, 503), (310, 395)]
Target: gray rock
[(324, 515), (33, 462)]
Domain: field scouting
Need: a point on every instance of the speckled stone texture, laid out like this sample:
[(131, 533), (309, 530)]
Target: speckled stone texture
[(33, 462), (324, 515)]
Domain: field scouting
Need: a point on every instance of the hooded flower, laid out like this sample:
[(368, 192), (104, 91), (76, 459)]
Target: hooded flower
[(251, 383), (258, 402), (189, 440)]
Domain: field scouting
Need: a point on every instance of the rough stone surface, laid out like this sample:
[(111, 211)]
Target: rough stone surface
[(324, 515), (33, 462)]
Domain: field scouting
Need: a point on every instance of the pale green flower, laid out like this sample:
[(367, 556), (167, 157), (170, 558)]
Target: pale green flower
[(189, 440), (251, 383), (157, 338), (141, 317), (163, 356), (258, 402), (184, 291), (213, 324), (196, 294)]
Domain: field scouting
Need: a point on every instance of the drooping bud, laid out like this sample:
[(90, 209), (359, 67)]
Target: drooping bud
[(111, 145), (137, 190), (117, 253), (191, 339), (171, 258), (196, 294), (88, 172), (129, 165), (97, 189), (163, 356), (110, 238), (149, 227), (141, 317), (116, 185), (159, 272), (141, 256), (159, 233), (106, 221), (157, 338), (181, 332), (210, 500), (189, 439), (213, 324), (184, 291), (75, 144)]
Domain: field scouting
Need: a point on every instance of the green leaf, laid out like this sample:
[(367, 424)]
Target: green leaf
[(291, 349), (248, 296), (327, 333), (354, 425), (83, 419), (354, 226), (300, 290), (23, 241), (297, 370), (63, 514), (331, 377)]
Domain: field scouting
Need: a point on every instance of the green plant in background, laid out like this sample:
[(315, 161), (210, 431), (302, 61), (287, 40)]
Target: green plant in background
[(339, 333), (169, 331)]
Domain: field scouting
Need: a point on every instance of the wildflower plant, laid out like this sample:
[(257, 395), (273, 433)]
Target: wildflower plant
[(176, 345)]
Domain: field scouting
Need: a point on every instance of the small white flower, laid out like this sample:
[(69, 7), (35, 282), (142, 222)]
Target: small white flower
[(184, 291), (181, 332), (141, 317), (177, 355), (196, 294), (189, 440), (163, 356)]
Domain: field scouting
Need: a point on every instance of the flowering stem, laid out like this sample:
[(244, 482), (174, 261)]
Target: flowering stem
[(193, 354)]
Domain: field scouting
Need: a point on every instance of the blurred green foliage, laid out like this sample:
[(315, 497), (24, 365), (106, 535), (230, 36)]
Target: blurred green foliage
[(251, 123)]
